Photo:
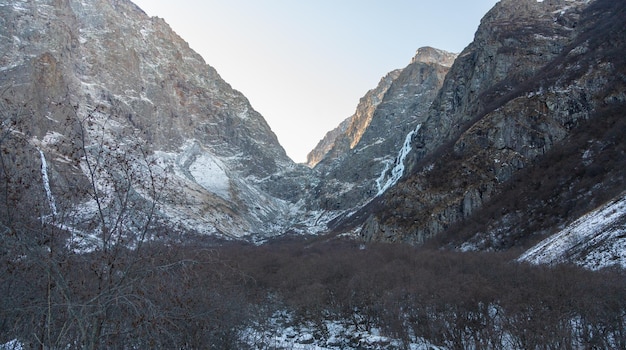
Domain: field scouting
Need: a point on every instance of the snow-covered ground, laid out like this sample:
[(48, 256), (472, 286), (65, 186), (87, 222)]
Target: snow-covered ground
[(281, 334), (210, 175), (12, 345), (594, 241), (196, 164)]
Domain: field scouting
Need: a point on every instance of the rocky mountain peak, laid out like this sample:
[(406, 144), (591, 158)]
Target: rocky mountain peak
[(96, 92), (429, 54), (358, 164), (126, 162)]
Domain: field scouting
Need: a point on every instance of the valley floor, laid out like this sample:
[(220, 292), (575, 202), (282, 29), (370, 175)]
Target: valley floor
[(305, 293)]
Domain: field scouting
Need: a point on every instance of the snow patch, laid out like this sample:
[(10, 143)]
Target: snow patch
[(594, 241), (311, 221), (283, 333), (210, 175), (195, 164), (377, 142), (243, 114), (52, 137), (12, 345)]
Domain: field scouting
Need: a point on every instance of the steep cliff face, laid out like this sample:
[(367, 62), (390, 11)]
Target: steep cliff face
[(326, 144), (344, 137), (353, 170), (112, 97), (536, 75)]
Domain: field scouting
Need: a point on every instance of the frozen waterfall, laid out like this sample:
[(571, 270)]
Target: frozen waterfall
[(383, 183), (46, 183)]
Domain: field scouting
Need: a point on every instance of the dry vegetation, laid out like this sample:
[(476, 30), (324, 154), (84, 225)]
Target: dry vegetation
[(192, 296)]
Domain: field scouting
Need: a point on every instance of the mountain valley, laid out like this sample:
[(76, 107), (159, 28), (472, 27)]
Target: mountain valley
[(130, 168)]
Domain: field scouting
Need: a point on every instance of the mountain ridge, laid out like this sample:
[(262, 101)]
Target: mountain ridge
[(145, 204), (351, 171)]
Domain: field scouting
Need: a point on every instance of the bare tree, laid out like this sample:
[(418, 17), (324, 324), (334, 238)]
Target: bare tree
[(41, 241)]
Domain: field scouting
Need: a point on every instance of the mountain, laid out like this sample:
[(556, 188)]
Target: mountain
[(353, 160), (595, 240), (524, 136), (113, 116), (122, 114), (111, 123)]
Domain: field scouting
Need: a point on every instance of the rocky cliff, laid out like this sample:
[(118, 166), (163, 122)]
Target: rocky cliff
[(116, 104), (542, 84)]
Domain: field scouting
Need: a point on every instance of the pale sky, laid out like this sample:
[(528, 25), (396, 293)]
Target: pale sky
[(304, 64)]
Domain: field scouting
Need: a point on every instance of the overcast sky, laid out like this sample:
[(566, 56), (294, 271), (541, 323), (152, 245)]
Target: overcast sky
[(304, 64)]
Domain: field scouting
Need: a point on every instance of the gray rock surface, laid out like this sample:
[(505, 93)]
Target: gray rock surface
[(100, 82), (107, 113), (528, 79)]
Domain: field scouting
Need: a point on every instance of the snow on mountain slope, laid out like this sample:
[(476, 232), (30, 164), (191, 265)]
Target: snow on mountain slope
[(596, 240), (117, 98), (533, 75)]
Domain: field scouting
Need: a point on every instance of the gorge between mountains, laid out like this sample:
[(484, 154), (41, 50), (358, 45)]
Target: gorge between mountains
[(114, 101), (472, 201)]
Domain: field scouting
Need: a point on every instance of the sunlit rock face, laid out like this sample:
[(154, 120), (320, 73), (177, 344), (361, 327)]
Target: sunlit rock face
[(100, 86), (536, 77), (340, 140)]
